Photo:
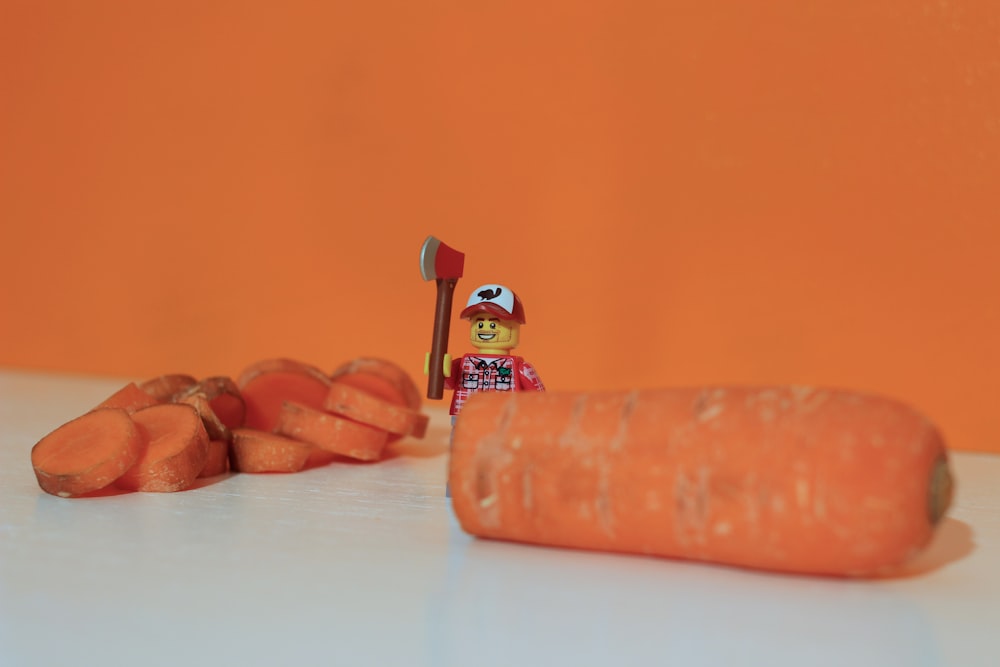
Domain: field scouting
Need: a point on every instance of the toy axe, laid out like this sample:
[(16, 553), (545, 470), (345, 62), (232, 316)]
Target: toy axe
[(443, 264)]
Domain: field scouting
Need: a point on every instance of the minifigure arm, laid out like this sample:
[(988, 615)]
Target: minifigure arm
[(528, 378)]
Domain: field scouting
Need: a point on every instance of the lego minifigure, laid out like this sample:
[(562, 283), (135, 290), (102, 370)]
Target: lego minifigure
[(495, 314)]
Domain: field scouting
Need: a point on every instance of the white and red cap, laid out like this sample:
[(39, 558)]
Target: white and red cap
[(496, 300)]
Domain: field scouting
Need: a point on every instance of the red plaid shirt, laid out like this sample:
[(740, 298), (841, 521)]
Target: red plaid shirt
[(489, 372)]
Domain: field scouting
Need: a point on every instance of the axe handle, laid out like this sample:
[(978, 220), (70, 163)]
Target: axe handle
[(439, 343)]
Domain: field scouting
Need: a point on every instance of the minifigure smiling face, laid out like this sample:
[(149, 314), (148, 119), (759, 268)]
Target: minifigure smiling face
[(496, 315), (490, 334)]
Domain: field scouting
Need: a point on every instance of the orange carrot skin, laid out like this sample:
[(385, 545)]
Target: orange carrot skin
[(785, 478), (176, 450), (88, 453)]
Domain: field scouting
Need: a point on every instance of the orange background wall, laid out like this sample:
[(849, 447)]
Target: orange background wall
[(682, 192)]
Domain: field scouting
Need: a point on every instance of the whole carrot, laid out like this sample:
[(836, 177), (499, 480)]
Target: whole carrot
[(780, 478)]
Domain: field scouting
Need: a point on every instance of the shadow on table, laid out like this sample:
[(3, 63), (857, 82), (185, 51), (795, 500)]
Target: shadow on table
[(639, 610), (952, 542)]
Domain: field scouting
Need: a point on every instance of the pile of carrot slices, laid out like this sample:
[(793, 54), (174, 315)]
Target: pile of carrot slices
[(279, 415)]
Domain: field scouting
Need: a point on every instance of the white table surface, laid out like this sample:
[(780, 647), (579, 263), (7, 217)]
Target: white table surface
[(365, 565)]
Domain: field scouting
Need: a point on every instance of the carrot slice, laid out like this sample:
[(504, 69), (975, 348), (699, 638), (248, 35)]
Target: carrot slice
[(420, 425), (787, 479), (217, 461), (385, 380), (257, 452), (267, 384), (319, 457), (331, 432), (176, 453), (213, 425), (87, 453), (164, 387), (223, 396), (381, 378), (361, 406), (230, 408), (129, 398)]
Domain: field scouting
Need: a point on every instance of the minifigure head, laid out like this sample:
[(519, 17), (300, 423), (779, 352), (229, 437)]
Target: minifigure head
[(496, 316)]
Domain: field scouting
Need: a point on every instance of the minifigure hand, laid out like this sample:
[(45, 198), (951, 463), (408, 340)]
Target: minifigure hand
[(445, 364)]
